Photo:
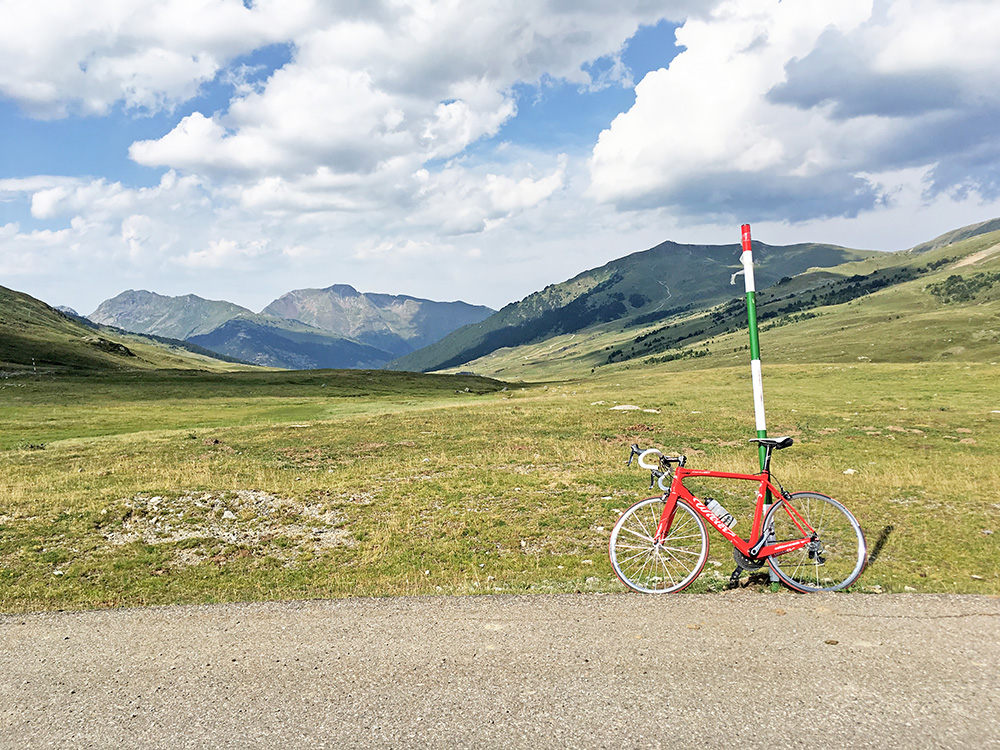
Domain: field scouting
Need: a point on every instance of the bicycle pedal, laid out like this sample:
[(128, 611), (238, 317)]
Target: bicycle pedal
[(734, 579)]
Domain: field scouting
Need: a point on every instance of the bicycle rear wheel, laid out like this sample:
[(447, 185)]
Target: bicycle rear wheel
[(652, 567), (830, 563)]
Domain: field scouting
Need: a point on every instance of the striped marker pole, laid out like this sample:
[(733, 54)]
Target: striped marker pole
[(746, 258)]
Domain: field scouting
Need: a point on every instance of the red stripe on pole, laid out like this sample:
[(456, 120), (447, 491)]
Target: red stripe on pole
[(746, 237)]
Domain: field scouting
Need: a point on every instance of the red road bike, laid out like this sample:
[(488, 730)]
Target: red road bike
[(660, 545)]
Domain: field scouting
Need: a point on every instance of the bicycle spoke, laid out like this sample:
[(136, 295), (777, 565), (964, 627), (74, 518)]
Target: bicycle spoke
[(641, 554), (641, 535)]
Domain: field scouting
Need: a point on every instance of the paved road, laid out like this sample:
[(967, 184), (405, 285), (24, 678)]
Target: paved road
[(740, 669)]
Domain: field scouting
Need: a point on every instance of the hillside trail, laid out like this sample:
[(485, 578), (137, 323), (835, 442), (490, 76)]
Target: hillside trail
[(747, 669), (978, 257)]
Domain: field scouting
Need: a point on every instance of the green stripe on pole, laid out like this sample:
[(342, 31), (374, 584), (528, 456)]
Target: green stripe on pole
[(755, 359), (752, 320)]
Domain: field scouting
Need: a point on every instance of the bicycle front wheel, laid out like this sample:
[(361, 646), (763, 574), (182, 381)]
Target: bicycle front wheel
[(831, 562), (658, 567)]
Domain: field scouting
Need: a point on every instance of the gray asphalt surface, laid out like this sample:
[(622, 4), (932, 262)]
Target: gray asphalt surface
[(740, 669)]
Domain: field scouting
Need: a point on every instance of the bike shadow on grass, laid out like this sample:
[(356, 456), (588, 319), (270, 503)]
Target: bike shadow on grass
[(876, 550)]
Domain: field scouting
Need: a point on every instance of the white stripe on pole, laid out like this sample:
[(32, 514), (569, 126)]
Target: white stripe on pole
[(758, 394), (747, 260)]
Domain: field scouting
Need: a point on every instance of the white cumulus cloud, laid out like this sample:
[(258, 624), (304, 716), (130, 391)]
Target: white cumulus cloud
[(788, 109), (59, 57)]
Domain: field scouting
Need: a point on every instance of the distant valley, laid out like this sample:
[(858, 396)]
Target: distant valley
[(339, 327), (336, 327)]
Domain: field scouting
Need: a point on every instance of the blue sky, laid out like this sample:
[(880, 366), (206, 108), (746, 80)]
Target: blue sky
[(97, 146), (555, 114), (452, 150)]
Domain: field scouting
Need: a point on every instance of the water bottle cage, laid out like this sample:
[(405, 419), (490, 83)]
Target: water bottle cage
[(720, 512)]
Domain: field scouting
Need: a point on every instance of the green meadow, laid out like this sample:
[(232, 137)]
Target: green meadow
[(160, 487)]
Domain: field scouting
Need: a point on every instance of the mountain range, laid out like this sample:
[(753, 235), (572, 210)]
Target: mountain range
[(819, 303), (644, 287), (335, 327), (339, 327), (938, 301)]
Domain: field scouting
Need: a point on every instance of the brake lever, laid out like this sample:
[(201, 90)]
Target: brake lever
[(635, 452)]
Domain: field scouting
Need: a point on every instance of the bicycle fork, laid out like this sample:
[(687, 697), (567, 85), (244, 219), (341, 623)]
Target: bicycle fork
[(666, 517)]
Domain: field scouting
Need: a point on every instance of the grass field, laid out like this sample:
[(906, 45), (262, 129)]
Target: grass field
[(127, 489)]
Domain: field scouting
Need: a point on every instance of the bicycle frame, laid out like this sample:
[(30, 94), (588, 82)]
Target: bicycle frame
[(754, 547)]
